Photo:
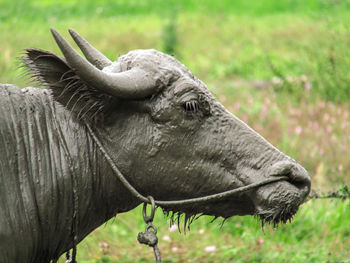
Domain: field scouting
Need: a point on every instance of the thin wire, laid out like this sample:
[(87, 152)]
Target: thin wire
[(196, 200), (115, 168)]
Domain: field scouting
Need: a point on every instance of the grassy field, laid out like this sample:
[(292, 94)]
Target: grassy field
[(317, 234), (281, 66)]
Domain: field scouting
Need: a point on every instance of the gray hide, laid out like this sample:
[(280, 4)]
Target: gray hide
[(161, 125)]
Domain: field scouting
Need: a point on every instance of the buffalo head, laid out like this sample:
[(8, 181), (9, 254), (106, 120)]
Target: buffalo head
[(168, 134)]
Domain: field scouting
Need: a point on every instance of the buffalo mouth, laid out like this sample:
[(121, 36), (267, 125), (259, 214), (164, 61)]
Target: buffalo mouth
[(273, 203), (275, 216), (277, 203)]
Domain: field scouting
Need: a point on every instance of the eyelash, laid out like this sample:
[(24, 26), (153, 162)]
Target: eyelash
[(191, 106)]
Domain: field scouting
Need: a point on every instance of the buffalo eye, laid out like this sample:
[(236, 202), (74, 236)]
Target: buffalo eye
[(191, 106)]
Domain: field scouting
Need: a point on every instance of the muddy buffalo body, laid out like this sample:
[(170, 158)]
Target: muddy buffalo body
[(163, 128)]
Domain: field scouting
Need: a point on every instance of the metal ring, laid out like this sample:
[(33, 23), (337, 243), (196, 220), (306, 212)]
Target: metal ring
[(151, 226), (153, 209)]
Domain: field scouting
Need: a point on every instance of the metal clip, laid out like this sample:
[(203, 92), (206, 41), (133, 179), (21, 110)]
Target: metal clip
[(149, 237)]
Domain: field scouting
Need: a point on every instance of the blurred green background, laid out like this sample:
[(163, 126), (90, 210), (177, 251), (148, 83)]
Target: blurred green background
[(281, 66)]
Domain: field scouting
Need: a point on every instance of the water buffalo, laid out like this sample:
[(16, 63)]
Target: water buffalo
[(162, 127)]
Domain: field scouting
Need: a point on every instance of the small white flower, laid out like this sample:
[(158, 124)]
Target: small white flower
[(166, 238), (172, 228), (276, 81), (201, 231), (210, 248), (303, 78), (174, 249), (290, 79), (298, 130)]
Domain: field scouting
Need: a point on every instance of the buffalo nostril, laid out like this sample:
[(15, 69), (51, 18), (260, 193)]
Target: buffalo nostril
[(297, 175)]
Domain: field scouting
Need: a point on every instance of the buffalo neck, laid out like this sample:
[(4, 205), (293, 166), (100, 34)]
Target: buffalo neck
[(65, 174), (93, 188)]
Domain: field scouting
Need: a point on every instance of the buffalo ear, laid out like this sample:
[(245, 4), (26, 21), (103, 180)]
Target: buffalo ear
[(53, 72)]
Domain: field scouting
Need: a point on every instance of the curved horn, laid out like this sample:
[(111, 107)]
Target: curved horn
[(132, 84), (94, 56)]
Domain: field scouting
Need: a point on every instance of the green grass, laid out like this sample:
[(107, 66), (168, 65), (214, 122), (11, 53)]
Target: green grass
[(46, 10), (281, 66), (317, 234), (248, 40)]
